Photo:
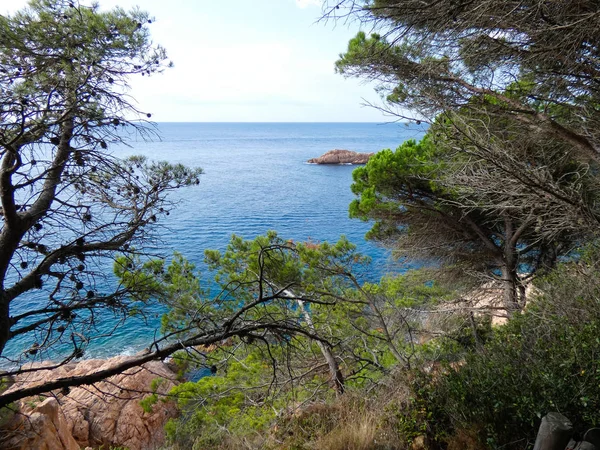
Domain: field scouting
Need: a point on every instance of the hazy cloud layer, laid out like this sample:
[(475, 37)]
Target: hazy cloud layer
[(305, 3), (240, 61)]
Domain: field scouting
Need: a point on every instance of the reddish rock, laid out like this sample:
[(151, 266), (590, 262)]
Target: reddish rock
[(341, 157), (106, 413), (42, 426)]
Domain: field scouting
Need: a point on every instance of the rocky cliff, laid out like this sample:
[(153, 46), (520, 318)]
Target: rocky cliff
[(341, 157), (104, 414)]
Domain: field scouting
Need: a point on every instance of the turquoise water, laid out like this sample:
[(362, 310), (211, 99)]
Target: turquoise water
[(256, 179)]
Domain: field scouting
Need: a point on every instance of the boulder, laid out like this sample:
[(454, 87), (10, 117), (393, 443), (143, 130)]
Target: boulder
[(341, 157), (42, 426), (106, 413), (419, 443)]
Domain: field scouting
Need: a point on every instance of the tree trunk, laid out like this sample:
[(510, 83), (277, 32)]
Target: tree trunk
[(510, 278), (478, 343), (334, 369), (510, 286)]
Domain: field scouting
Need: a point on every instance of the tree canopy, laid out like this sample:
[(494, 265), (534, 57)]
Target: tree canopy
[(68, 205), (512, 149), (439, 56)]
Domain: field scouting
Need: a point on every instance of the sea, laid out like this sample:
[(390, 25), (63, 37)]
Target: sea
[(256, 178)]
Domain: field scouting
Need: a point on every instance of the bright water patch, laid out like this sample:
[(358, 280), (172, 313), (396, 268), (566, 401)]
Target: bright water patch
[(256, 179)]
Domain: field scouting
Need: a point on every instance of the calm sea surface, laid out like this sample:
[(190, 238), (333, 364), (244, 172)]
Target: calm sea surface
[(256, 179)]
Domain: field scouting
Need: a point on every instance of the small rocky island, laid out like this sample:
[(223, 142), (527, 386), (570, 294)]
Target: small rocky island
[(341, 157)]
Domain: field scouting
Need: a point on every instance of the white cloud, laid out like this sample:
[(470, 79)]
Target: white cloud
[(250, 72), (305, 3)]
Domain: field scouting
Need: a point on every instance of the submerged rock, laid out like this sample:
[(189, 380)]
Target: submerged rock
[(341, 157), (106, 414)]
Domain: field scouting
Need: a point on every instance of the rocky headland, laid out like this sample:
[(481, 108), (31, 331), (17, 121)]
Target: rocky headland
[(104, 414), (341, 157)]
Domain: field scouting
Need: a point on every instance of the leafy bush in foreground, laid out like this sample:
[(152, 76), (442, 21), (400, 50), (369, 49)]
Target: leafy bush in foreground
[(491, 395), (546, 359)]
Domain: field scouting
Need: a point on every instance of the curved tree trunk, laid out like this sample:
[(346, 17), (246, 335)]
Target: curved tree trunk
[(335, 372), (511, 288)]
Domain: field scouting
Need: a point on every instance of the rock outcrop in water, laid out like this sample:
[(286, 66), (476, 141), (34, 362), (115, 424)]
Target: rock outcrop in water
[(104, 414), (341, 157)]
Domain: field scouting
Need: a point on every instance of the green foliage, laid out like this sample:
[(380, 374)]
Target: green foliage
[(412, 289), (438, 57), (72, 47), (417, 213), (150, 400), (261, 376), (360, 50), (388, 175), (543, 360), (7, 413), (64, 73), (4, 383), (236, 402), (182, 361), (375, 56)]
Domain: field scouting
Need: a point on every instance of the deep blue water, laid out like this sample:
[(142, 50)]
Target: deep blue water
[(256, 179)]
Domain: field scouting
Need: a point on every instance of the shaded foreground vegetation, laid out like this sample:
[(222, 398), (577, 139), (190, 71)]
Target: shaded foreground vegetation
[(468, 388)]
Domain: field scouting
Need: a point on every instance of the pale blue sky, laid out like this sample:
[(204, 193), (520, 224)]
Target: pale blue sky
[(241, 60)]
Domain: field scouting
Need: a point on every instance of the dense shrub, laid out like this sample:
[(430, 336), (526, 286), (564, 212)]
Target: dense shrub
[(546, 359), (217, 408), (486, 394)]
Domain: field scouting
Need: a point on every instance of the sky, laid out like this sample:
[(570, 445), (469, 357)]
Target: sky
[(246, 61)]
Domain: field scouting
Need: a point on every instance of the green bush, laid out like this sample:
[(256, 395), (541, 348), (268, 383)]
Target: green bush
[(546, 359), (219, 407)]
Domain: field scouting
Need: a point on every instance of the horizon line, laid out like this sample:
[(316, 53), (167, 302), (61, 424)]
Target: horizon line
[(295, 122)]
